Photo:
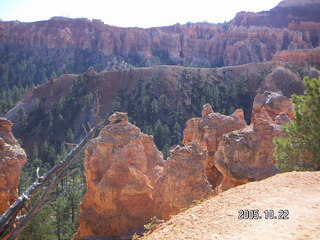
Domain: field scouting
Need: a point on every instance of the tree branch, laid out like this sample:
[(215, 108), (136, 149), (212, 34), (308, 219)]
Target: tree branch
[(8, 219)]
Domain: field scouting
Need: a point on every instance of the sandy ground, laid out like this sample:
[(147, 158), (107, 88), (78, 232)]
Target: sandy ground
[(217, 218)]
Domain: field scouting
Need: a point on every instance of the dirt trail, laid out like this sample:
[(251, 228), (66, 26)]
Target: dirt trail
[(217, 218)]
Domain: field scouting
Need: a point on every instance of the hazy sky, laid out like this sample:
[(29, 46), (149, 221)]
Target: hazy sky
[(130, 13)]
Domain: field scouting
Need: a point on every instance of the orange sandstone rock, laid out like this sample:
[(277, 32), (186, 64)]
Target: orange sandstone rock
[(271, 104), (312, 56), (12, 159), (128, 181), (247, 154), (121, 166), (183, 181), (207, 131)]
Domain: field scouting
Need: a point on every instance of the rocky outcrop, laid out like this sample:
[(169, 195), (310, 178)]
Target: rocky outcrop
[(12, 159), (183, 181), (247, 154), (207, 130), (128, 181), (270, 105), (121, 167), (240, 153)]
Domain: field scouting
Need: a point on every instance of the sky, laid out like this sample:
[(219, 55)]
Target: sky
[(132, 13)]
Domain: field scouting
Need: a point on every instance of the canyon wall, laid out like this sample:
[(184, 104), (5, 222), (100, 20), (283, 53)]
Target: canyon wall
[(249, 37), (312, 56)]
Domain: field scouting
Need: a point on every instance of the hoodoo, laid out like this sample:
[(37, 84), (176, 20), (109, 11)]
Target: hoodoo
[(12, 159)]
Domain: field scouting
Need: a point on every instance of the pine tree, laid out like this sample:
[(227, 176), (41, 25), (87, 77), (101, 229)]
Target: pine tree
[(22, 119), (116, 105), (176, 133), (299, 149), (70, 136)]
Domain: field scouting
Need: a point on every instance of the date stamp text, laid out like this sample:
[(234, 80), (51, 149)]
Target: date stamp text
[(282, 214)]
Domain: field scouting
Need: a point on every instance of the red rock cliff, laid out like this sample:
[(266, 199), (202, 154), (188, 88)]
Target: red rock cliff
[(199, 44), (311, 56), (12, 159)]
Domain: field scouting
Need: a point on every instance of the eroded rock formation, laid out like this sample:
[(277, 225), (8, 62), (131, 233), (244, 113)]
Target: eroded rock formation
[(183, 181), (270, 105), (12, 159), (128, 182), (207, 130), (247, 154), (121, 166), (284, 80), (311, 56), (250, 37)]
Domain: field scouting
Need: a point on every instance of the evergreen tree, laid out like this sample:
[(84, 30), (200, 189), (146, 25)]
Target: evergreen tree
[(154, 107), (22, 119), (70, 136), (299, 149), (177, 133), (164, 104), (42, 226), (116, 105), (166, 151)]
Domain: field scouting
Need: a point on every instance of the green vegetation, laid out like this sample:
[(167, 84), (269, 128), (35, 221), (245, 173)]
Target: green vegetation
[(299, 149), (58, 218), (22, 67)]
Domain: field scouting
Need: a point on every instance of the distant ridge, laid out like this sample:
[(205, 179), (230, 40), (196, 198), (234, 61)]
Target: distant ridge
[(292, 3)]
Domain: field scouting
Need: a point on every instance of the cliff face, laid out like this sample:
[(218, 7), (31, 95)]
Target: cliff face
[(282, 15), (250, 37), (247, 154), (12, 159), (270, 105), (311, 56)]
